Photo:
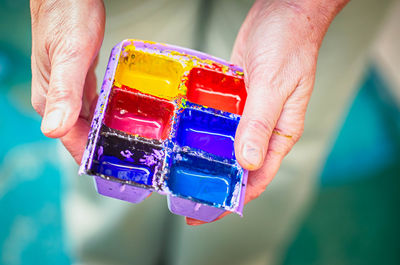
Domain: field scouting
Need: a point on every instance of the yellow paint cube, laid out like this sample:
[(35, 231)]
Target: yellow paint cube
[(152, 74)]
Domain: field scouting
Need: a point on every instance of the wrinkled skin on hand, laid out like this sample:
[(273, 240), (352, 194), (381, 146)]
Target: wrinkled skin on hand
[(66, 38), (277, 46)]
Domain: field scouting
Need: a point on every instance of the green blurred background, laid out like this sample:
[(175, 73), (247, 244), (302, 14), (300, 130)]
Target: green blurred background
[(353, 220)]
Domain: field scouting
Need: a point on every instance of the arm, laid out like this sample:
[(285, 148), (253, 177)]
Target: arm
[(278, 47)]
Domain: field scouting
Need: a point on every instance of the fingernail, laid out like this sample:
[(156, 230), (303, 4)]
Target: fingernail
[(252, 155), (52, 120)]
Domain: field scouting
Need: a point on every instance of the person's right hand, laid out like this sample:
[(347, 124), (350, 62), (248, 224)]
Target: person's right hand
[(66, 38), (277, 46)]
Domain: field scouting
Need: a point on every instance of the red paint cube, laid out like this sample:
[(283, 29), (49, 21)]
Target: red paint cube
[(216, 90), (135, 113)]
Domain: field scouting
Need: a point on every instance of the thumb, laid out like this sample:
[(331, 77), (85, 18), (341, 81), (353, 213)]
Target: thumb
[(265, 100), (64, 97)]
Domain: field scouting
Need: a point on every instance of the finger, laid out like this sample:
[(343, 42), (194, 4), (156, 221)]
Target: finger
[(75, 140), (64, 97), (288, 131), (258, 180), (267, 94)]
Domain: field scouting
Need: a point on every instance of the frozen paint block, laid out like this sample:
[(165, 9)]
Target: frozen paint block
[(127, 159), (217, 90), (155, 75), (165, 121), (204, 180), (215, 134), (135, 113)]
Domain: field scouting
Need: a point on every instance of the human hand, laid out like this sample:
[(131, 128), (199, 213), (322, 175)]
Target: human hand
[(277, 46), (66, 38)]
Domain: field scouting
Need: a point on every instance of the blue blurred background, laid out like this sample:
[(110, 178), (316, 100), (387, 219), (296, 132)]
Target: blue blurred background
[(353, 220)]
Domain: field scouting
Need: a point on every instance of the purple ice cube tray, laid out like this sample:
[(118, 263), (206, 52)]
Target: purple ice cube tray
[(165, 122)]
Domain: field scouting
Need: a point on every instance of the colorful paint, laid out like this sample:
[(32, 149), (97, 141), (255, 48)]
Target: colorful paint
[(126, 158), (151, 74), (211, 133), (166, 121), (217, 90), (202, 179), (135, 113)]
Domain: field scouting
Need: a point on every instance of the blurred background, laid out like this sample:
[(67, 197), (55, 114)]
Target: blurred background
[(354, 214)]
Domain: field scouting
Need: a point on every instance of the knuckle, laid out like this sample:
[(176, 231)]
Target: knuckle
[(262, 127), (269, 77), (60, 94), (75, 47), (293, 5), (66, 46), (65, 52)]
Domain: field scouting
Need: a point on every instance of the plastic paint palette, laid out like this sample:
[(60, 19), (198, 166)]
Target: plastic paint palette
[(165, 121)]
